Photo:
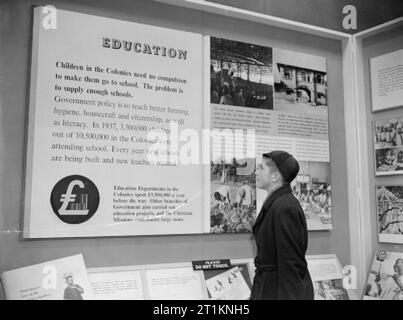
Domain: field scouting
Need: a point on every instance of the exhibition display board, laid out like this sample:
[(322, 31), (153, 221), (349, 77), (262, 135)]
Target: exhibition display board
[(380, 105), (108, 76), (113, 122)]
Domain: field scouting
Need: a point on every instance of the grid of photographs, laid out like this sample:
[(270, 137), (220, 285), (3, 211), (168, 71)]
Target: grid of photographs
[(254, 86)]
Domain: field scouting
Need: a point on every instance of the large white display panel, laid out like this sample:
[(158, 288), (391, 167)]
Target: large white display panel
[(115, 121), (104, 93)]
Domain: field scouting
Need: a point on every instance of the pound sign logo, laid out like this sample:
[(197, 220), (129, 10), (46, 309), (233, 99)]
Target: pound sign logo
[(74, 199)]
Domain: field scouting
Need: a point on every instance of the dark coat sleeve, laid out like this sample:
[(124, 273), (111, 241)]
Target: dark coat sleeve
[(290, 239)]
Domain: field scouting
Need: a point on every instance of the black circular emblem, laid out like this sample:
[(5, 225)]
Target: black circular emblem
[(74, 199)]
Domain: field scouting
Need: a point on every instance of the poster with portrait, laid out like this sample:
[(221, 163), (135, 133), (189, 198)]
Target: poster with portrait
[(388, 146), (385, 277), (60, 279), (389, 213)]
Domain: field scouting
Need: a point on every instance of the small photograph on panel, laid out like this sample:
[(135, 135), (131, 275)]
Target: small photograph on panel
[(390, 213), (241, 74), (330, 290), (388, 133), (300, 82), (231, 284), (385, 279), (312, 187), (233, 195), (389, 161), (388, 146)]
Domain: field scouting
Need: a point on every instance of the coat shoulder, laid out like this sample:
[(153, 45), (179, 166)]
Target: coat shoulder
[(287, 201), (287, 207)]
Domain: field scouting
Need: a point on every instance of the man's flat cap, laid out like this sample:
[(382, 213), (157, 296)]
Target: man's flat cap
[(286, 164)]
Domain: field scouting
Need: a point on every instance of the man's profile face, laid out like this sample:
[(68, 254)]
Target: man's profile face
[(69, 280), (264, 174)]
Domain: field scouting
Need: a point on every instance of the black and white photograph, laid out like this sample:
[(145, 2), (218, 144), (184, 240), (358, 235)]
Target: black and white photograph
[(241, 74), (330, 290), (233, 197), (300, 82), (389, 161), (388, 146), (234, 283), (385, 278), (389, 205), (73, 291), (388, 133), (312, 187)]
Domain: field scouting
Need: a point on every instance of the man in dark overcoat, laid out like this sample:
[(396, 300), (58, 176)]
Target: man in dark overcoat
[(281, 234)]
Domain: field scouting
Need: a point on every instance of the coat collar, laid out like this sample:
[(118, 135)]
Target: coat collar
[(284, 189)]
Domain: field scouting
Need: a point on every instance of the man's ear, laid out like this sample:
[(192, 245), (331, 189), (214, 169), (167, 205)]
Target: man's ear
[(276, 176)]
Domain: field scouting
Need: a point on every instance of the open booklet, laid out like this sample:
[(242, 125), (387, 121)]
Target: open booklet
[(161, 133), (61, 279)]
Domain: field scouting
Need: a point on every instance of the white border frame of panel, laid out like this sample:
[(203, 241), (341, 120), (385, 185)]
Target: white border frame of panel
[(355, 126)]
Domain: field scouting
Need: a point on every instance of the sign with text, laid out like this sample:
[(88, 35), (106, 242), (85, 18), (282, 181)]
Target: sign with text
[(387, 81), (211, 264), (99, 86)]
